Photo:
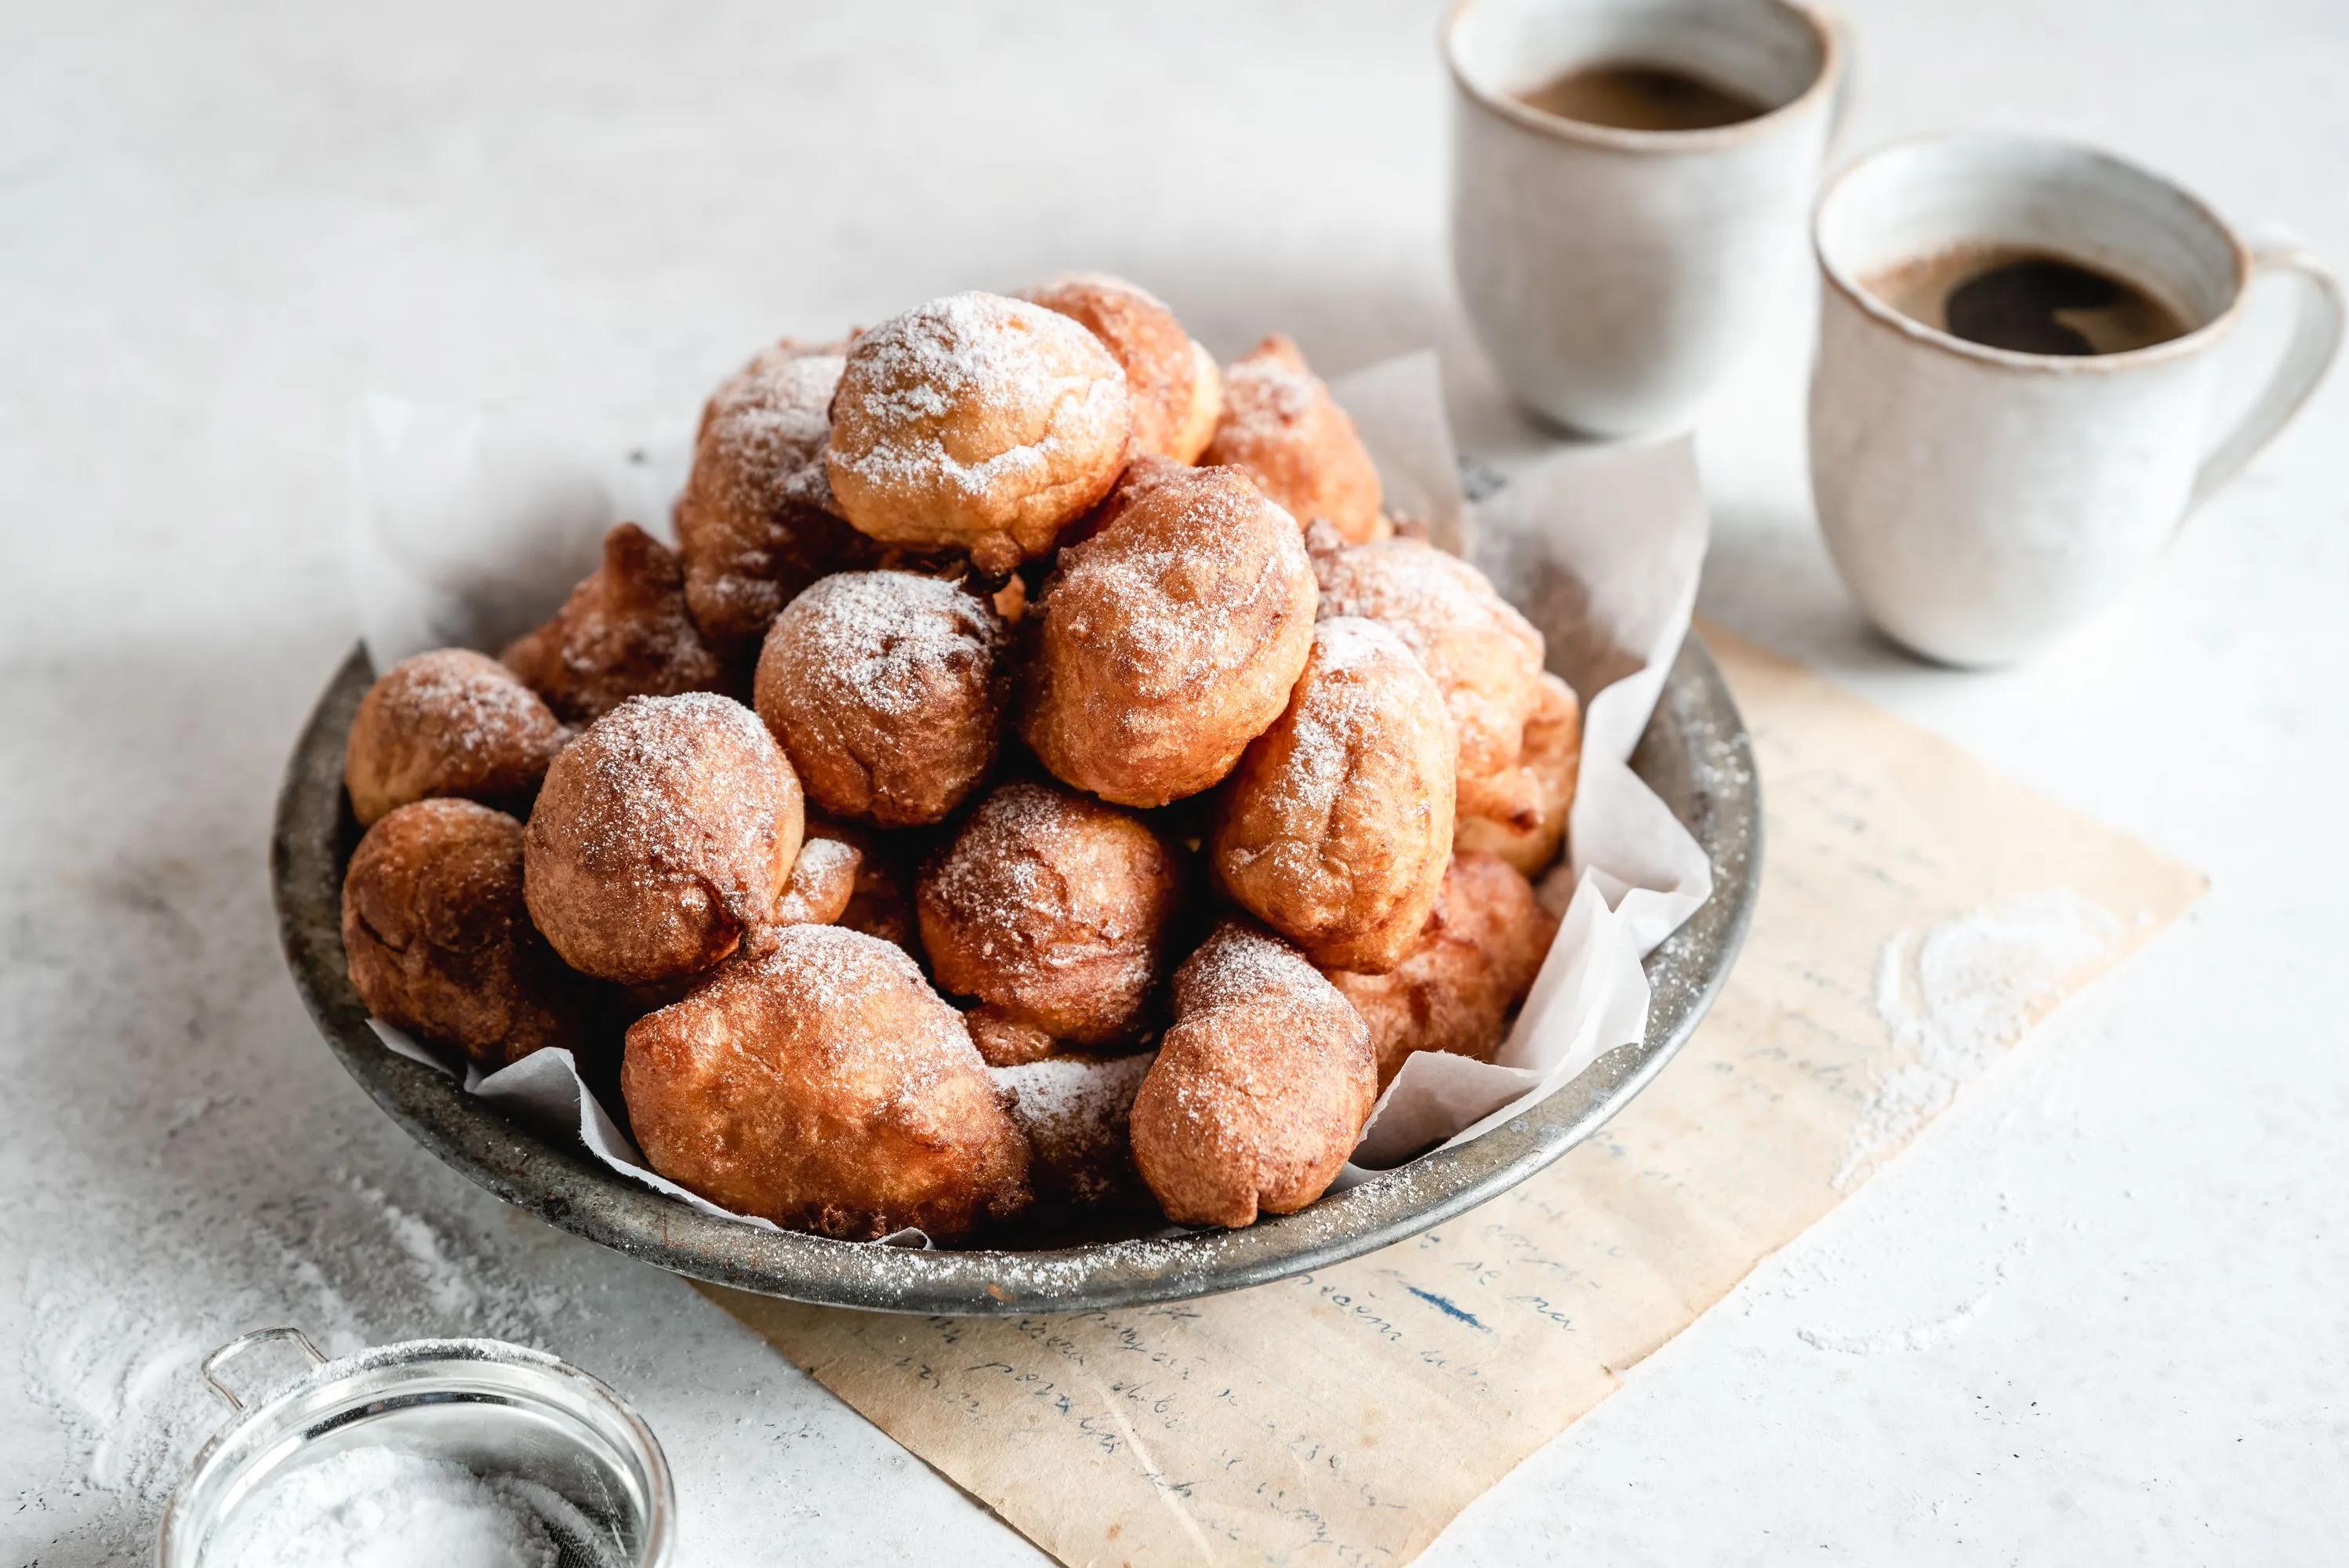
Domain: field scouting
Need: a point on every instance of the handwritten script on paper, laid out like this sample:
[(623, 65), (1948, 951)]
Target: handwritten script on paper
[(1344, 1417)]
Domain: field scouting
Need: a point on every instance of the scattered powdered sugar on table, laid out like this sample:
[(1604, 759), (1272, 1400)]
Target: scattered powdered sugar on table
[(1957, 995), (112, 1357), (1930, 1333)]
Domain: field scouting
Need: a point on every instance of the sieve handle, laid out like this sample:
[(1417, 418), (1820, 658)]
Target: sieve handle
[(213, 1365)]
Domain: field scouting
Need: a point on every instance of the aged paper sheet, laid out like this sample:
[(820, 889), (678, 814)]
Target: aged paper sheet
[(1917, 913)]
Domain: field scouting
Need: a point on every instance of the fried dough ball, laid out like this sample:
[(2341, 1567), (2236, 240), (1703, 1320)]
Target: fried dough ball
[(1077, 1114), (978, 423), (1485, 658), (622, 632), (1053, 912), (1145, 474), (822, 881), (1259, 1090), (1171, 382), (1169, 640), (439, 943), (451, 722), (755, 524), (886, 690), (663, 837), (825, 1087), (1474, 963), (1280, 424), (1552, 756), (1336, 827)]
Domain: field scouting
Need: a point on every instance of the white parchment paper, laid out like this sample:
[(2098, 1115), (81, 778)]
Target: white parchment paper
[(468, 528)]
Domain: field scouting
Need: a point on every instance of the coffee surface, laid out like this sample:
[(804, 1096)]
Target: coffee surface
[(1632, 96), (2032, 301)]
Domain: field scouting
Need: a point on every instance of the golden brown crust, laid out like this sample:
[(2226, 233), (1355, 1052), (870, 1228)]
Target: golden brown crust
[(1171, 383), (1053, 909), (886, 690), (449, 723), (826, 1087), (978, 423), (1486, 657), (622, 632), (662, 839), (822, 881), (439, 943), (1552, 757), (1259, 1090), (1336, 826), (1280, 424), (1168, 640), (755, 524), (1005, 1041), (1473, 964)]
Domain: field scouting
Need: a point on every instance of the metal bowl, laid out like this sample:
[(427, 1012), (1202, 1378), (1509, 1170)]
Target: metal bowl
[(1696, 754)]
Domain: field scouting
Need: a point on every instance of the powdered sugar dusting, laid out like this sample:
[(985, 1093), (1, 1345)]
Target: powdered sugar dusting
[(1485, 656), (823, 859), (1268, 391), (767, 426), (1337, 713), (1002, 876), (468, 702), (1959, 993), (111, 1351), (650, 763), (1003, 366), (1073, 1110), (1241, 965), (888, 641), (1161, 589)]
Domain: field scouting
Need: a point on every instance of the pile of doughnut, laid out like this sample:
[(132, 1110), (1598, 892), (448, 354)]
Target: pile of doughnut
[(1041, 789)]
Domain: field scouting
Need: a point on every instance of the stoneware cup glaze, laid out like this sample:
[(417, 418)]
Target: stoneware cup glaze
[(1612, 276), (1981, 502)]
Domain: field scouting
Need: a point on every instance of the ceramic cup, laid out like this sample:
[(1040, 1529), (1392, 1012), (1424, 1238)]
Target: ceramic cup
[(1613, 275), (1981, 502)]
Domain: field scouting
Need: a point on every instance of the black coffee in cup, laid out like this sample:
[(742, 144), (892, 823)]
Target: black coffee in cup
[(1630, 95), (2029, 301)]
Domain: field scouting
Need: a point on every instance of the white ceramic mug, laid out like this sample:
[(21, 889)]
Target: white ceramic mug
[(1613, 275), (1981, 502)]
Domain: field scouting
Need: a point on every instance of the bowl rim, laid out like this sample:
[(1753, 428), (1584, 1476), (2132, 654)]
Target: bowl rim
[(347, 1378), (1717, 797)]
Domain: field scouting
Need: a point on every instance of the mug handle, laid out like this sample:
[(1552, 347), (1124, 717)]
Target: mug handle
[(2315, 340)]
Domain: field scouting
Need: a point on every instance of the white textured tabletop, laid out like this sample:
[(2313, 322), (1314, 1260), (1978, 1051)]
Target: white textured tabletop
[(2096, 1314)]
